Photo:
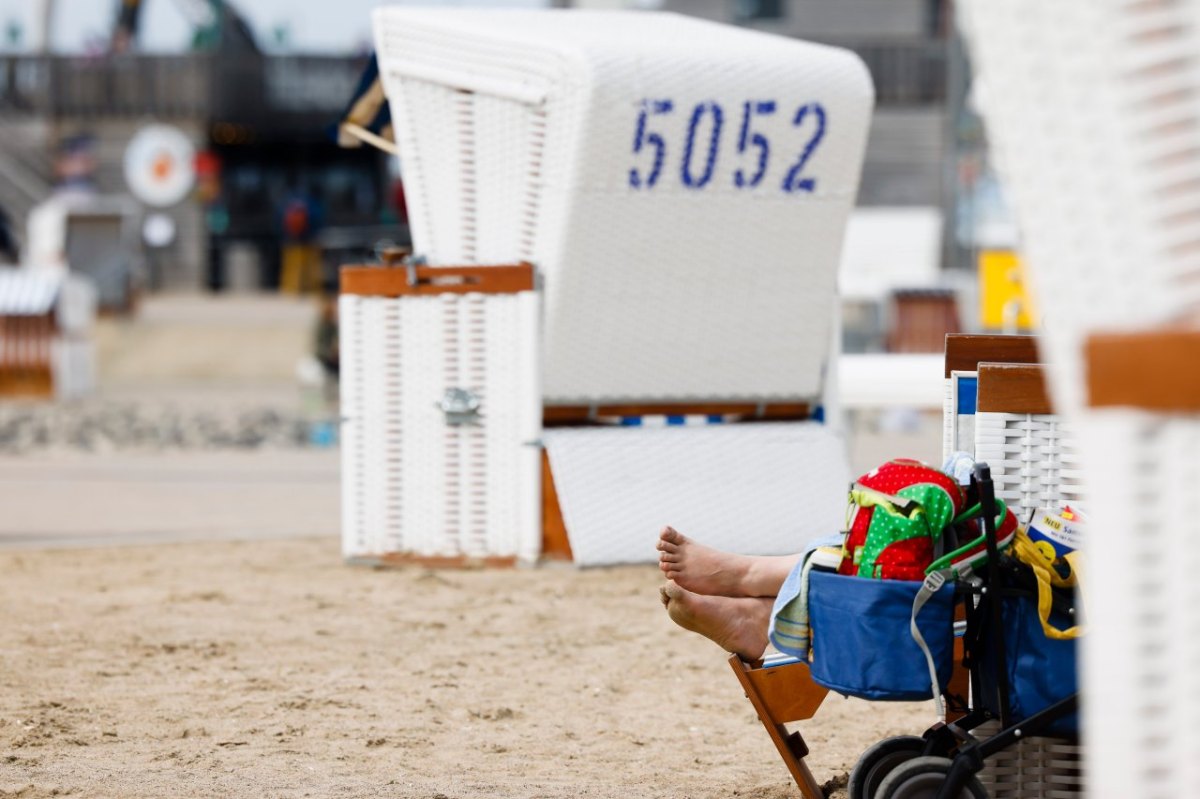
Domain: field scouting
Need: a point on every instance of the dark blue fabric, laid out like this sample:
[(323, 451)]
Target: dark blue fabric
[(861, 643), (1040, 670), (383, 114)]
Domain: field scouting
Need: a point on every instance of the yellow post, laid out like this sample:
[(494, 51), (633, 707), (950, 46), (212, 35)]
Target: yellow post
[(1005, 301)]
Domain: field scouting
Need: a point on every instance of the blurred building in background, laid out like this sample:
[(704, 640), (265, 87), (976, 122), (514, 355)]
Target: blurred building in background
[(264, 172), (274, 202)]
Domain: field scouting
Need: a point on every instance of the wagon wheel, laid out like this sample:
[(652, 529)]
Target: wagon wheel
[(875, 764), (922, 778)]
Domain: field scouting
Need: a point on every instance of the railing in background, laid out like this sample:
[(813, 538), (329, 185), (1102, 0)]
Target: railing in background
[(235, 88), (249, 88)]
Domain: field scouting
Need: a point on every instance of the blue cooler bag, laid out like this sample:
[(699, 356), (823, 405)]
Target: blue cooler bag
[(1040, 670), (861, 642)]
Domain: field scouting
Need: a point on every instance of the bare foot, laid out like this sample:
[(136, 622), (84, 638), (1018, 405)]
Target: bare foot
[(736, 624), (704, 570)]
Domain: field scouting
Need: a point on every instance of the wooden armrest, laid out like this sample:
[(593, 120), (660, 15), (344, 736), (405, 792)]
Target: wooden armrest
[(1012, 388), (1154, 371), (397, 281)]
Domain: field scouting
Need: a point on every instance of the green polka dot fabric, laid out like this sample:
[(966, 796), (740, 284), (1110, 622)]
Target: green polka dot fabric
[(899, 510)]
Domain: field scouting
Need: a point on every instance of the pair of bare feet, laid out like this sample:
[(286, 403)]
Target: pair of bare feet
[(723, 596)]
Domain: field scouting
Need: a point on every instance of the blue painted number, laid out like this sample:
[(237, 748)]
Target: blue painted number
[(701, 147), (794, 181), (746, 139), (714, 137), (641, 138)]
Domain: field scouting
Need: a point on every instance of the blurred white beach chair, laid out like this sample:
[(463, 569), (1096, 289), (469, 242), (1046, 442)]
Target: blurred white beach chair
[(682, 188), (1092, 110)]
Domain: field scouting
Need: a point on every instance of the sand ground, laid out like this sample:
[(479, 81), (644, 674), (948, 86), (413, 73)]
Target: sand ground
[(182, 625), (269, 669)]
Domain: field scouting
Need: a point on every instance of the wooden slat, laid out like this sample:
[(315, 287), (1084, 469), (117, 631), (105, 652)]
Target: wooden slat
[(1155, 371), (1013, 388), (787, 692), (555, 544), (770, 692), (388, 281), (581, 414), (964, 353)]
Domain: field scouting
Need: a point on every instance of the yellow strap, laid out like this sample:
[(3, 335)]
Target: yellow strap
[(1029, 553)]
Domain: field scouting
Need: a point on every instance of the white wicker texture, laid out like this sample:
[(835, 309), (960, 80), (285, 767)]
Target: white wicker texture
[(1092, 109), (949, 418), (1142, 654), (755, 488), (1033, 768), (958, 429), (1034, 461), (413, 483), (686, 213)]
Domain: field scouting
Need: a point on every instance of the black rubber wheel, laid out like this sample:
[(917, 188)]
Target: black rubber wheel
[(875, 764), (922, 778)]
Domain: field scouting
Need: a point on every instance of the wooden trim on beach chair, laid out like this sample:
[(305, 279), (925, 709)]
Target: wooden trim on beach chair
[(406, 281), (583, 414), (783, 694), (555, 543), (1013, 388), (1153, 371), (964, 353)]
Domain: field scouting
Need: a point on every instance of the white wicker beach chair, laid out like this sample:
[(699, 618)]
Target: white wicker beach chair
[(1091, 108), (681, 188)]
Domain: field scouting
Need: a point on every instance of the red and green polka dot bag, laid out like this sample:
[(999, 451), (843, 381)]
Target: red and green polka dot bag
[(897, 513)]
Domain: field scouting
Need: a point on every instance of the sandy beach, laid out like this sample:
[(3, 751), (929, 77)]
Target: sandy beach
[(181, 623), (270, 669)]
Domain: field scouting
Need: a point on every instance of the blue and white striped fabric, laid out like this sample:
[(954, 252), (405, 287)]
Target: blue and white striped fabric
[(672, 420)]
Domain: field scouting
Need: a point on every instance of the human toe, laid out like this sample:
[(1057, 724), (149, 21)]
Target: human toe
[(670, 535)]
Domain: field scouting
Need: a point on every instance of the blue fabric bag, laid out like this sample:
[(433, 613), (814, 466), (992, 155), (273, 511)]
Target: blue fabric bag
[(1040, 670), (861, 642)]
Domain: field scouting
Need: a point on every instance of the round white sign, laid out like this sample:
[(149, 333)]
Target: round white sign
[(160, 165), (158, 230)]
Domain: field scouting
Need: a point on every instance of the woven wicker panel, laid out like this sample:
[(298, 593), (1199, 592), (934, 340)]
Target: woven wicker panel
[(1033, 768), (537, 135), (413, 483), (1141, 654), (754, 488), (1092, 109), (1034, 461), (949, 420)]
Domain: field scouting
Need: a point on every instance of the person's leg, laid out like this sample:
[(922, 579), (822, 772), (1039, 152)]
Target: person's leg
[(704, 570), (737, 624)]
